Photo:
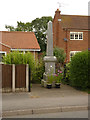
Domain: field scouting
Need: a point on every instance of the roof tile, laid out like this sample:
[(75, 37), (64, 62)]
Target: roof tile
[(20, 40)]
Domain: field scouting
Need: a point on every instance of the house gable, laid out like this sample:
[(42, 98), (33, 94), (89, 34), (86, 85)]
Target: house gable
[(63, 25)]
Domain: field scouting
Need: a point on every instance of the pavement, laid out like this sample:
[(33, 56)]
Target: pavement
[(42, 100)]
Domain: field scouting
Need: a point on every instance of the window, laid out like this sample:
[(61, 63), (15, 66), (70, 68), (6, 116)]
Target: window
[(76, 35), (1, 55), (72, 36), (72, 53)]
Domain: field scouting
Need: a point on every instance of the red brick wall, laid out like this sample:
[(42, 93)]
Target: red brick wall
[(4, 48), (71, 45)]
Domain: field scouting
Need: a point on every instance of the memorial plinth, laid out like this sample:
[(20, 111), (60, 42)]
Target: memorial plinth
[(49, 59)]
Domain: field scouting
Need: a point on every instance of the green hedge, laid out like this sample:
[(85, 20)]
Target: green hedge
[(17, 57), (79, 70), (37, 74)]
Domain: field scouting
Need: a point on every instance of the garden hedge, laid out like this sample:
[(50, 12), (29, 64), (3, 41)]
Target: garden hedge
[(79, 70)]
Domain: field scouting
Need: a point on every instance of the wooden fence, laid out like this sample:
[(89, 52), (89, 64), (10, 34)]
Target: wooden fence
[(20, 76), (6, 76), (15, 78)]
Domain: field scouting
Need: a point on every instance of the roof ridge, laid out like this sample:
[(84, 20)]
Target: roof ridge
[(75, 15), (18, 32)]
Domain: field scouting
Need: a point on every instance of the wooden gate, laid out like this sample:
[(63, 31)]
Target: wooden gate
[(6, 76), (20, 76)]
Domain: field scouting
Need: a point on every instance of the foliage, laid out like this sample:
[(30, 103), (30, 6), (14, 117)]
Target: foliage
[(38, 26), (66, 75), (20, 27), (37, 74), (50, 79), (58, 76), (59, 53), (55, 77), (17, 57), (79, 70)]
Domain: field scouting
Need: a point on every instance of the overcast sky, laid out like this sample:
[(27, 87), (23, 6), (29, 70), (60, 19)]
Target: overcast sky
[(12, 11)]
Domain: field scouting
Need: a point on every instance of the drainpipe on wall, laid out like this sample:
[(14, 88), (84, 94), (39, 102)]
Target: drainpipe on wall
[(66, 49), (66, 40)]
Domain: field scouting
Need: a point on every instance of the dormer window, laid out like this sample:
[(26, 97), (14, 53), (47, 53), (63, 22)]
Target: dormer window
[(76, 35)]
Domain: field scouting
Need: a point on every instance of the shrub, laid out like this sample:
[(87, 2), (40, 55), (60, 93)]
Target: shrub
[(60, 54), (79, 70), (58, 76), (37, 74), (66, 75), (17, 57), (50, 79)]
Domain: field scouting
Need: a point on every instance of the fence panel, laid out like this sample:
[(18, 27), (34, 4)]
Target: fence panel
[(20, 76), (6, 76)]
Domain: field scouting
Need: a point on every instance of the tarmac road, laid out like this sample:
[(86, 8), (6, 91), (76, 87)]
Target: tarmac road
[(45, 98)]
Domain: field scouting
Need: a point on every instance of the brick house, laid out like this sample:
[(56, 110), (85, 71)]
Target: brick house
[(16, 40), (70, 32)]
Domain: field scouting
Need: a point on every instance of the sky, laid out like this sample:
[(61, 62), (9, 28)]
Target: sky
[(12, 11)]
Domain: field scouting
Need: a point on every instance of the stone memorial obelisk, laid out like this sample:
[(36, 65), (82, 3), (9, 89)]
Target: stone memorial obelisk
[(49, 59)]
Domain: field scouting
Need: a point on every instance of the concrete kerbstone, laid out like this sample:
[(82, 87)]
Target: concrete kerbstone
[(16, 112), (74, 108), (44, 110), (47, 110)]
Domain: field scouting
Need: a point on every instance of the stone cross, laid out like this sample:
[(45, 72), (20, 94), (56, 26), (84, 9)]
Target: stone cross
[(49, 39)]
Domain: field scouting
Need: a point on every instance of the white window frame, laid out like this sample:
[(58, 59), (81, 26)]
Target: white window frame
[(74, 53), (78, 35), (4, 53)]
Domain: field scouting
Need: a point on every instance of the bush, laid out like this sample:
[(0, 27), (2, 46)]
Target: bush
[(60, 54), (37, 74), (17, 57), (79, 70), (66, 75)]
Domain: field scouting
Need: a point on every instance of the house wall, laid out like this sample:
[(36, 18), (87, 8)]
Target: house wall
[(71, 45), (6, 49)]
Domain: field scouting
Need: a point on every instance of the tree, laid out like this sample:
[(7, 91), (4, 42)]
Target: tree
[(20, 27), (38, 26), (60, 55), (10, 28)]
